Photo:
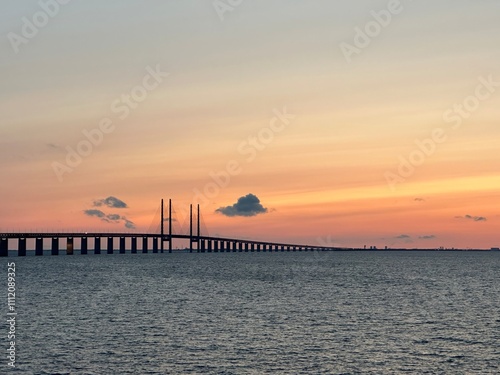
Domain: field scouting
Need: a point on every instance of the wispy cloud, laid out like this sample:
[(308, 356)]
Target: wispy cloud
[(111, 201), (53, 146), (427, 237), (128, 223), (403, 237), (471, 218), (249, 205), (95, 213), (114, 218)]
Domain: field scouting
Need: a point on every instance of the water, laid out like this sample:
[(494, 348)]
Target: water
[(259, 313)]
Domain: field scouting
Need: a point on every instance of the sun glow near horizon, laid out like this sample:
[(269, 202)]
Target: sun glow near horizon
[(260, 100)]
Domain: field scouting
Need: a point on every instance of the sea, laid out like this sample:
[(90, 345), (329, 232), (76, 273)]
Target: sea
[(342, 312)]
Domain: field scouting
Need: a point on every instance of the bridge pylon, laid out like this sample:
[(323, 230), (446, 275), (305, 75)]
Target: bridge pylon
[(194, 239)]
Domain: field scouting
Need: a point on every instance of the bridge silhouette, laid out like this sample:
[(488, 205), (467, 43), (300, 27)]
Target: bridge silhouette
[(154, 242)]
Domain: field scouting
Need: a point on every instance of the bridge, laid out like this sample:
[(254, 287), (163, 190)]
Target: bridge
[(155, 242)]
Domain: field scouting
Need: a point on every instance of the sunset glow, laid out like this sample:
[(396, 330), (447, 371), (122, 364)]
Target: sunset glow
[(395, 145)]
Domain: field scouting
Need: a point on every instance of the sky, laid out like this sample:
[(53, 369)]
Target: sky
[(341, 123)]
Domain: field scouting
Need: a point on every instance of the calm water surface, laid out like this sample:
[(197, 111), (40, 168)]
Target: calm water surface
[(258, 313)]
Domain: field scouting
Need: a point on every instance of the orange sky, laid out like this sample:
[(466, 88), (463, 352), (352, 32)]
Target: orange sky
[(266, 94)]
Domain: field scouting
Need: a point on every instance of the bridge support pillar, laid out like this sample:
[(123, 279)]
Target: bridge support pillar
[(97, 245), (144, 245), (4, 247), (216, 246), (55, 246), (69, 246), (110, 245), (39, 247), (84, 246), (134, 245), (21, 250), (233, 247), (155, 245), (122, 245), (202, 243)]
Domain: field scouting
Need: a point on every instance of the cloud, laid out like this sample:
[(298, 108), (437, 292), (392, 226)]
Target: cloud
[(96, 213), (53, 146), (113, 217), (427, 237), (404, 237), (128, 223), (419, 199), (249, 205), (472, 218), (112, 202)]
